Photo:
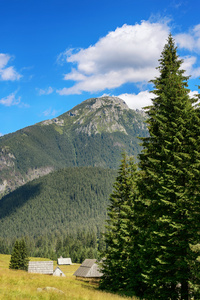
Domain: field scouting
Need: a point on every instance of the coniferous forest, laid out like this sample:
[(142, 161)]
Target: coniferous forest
[(152, 233), (62, 213)]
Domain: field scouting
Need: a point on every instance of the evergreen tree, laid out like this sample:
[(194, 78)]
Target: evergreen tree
[(14, 261), (101, 243), (23, 257), (119, 227), (19, 258), (169, 186)]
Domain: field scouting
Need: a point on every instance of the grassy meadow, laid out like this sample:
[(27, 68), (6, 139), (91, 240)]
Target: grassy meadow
[(16, 284)]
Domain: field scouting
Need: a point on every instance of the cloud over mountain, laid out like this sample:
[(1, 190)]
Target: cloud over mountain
[(138, 101), (128, 54)]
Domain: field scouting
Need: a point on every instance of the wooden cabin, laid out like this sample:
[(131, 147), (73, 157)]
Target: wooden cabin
[(58, 272), (64, 261), (89, 270)]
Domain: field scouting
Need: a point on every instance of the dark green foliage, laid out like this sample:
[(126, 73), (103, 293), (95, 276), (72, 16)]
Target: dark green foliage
[(64, 213), (153, 242), (23, 258), (19, 257), (170, 186), (78, 246), (14, 261), (5, 246), (119, 234), (63, 201)]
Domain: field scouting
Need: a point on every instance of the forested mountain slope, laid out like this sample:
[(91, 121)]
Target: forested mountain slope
[(68, 200), (94, 133)]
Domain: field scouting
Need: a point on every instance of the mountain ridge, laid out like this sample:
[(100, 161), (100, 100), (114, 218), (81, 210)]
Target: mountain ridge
[(93, 133)]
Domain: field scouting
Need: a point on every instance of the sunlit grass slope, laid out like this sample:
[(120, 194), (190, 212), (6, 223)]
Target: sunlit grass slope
[(22, 285)]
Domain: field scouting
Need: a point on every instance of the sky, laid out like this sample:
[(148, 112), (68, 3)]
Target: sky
[(55, 54)]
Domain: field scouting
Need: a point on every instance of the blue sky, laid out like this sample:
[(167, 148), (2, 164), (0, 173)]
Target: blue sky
[(55, 54)]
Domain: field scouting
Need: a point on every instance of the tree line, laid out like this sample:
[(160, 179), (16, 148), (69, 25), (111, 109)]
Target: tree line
[(153, 233), (78, 246)]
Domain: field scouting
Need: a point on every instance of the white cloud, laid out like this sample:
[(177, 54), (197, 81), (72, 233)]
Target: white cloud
[(185, 40), (10, 100), (143, 99), (193, 94), (190, 40), (4, 58), (8, 73), (189, 63), (138, 101), (49, 112), (128, 54), (47, 91)]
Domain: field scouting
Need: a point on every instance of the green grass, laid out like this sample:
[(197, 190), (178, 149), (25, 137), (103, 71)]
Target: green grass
[(15, 284)]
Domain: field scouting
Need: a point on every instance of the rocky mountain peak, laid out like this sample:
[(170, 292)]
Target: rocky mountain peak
[(97, 115), (107, 100), (95, 104)]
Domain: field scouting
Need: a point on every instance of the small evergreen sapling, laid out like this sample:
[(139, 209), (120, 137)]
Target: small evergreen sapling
[(14, 261), (19, 257)]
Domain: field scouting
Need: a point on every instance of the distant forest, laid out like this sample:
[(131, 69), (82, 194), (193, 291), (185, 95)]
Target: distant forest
[(62, 213)]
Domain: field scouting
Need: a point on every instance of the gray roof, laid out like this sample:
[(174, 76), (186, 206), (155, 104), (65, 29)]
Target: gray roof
[(88, 263), (64, 261), (88, 269), (41, 267)]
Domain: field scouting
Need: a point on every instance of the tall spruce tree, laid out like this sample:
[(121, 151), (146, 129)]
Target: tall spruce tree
[(119, 227), (170, 186)]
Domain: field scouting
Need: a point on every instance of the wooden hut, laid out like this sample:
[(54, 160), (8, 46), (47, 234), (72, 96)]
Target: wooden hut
[(64, 261), (41, 267), (58, 272), (88, 270)]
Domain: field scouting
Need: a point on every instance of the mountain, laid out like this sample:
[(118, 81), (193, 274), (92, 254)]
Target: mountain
[(67, 200), (94, 133)]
